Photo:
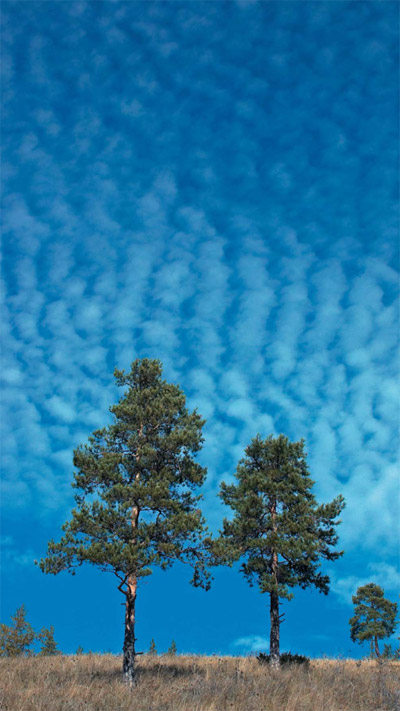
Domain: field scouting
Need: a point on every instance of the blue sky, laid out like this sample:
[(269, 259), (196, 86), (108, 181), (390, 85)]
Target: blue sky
[(212, 184)]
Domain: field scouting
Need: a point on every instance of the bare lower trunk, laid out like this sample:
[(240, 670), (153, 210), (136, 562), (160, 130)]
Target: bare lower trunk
[(128, 666), (377, 652), (274, 603), (274, 631)]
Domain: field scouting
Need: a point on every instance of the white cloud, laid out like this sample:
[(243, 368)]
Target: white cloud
[(13, 559), (252, 643), (383, 574), (60, 409), (12, 376), (241, 408)]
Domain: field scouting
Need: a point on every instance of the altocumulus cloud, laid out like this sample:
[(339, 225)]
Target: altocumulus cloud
[(222, 200)]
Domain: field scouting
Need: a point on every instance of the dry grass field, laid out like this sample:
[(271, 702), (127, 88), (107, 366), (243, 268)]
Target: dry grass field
[(186, 683)]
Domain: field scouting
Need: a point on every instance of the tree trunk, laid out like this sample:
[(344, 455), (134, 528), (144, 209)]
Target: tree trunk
[(377, 652), (128, 665), (274, 602), (274, 631)]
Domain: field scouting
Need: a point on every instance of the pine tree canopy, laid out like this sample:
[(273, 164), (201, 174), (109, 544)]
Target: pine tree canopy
[(17, 638), (172, 648), (48, 643), (278, 530), (136, 481), (375, 616)]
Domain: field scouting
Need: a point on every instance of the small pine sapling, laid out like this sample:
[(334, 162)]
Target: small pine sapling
[(16, 639), (172, 649), (49, 646)]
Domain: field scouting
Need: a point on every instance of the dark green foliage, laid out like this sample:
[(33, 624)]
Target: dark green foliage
[(286, 658), (274, 510), (143, 460), (152, 648), (49, 646), (172, 649), (374, 618), (79, 651), (278, 530), (263, 658), (17, 639)]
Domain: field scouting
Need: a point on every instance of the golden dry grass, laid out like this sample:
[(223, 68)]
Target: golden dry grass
[(186, 683)]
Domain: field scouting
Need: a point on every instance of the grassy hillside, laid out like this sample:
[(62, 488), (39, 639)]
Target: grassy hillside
[(186, 683)]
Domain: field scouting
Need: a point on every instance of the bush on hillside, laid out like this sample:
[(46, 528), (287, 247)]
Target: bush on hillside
[(286, 658)]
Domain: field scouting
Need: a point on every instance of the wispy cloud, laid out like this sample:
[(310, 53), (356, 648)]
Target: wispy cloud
[(12, 560), (252, 643), (383, 574)]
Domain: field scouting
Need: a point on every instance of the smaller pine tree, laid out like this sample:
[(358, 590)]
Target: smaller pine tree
[(152, 648), (374, 618), (278, 531), (17, 638), (172, 649), (49, 646)]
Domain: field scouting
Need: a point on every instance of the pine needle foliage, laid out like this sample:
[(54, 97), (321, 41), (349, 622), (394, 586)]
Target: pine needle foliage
[(17, 639), (48, 644), (374, 616), (136, 483), (278, 530), (153, 648), (172, 648)]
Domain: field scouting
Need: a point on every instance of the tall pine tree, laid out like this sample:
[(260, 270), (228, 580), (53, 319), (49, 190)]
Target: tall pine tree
[(278, 530), (374, 616), (136, 501)]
